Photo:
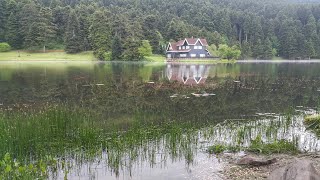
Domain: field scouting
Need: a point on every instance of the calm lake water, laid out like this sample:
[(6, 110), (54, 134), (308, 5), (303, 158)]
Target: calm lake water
[(222, 99)]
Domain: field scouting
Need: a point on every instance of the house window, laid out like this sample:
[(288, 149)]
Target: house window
[(202, 55), (168, 55), (199, 47), (183, 55), (179, 47), (183, 47), (193, 55), (195, 47), (187, 47)]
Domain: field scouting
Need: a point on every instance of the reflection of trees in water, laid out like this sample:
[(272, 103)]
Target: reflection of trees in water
[(124, 91)]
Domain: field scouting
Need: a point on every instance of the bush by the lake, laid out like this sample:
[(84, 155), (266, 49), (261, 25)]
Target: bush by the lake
[(279, 146), (5, 47)]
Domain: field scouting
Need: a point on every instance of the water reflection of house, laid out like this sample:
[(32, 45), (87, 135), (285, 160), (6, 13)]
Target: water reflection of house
[(188, 74)]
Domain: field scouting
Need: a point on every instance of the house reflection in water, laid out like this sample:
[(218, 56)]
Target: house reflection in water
[(188, 74)]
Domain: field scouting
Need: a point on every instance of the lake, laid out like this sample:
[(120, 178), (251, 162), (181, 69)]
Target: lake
[(151, 120)]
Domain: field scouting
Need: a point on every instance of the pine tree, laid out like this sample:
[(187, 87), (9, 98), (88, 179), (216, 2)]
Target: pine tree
[(13, 36), (246, 50), (41, 31), (100, 34), (131, 50), (72, 37), (258, 50), (116, 50), (2, 20), (151, 33), (310, 51), (267, 49), (28, 15)]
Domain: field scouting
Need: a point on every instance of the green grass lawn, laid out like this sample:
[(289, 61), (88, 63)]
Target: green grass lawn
[(158, 58), (50, 56)]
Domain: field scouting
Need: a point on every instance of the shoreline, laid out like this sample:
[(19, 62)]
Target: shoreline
[(233, 171)]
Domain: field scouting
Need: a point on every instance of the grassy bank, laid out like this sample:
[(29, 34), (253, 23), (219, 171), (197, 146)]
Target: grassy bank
[(49, 56)]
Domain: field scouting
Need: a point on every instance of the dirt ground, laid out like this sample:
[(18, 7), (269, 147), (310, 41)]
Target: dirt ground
[(233, 171)]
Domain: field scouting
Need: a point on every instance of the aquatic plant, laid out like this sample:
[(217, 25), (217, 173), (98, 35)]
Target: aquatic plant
[(278, 146), (216, 149)]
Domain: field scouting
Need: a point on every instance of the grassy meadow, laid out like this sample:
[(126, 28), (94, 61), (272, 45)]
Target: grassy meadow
[(49, 56)]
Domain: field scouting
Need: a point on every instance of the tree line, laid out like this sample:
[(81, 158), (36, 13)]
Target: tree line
[(131, 29)]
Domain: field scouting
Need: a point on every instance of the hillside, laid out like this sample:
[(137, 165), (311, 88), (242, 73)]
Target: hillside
[(115, 28)]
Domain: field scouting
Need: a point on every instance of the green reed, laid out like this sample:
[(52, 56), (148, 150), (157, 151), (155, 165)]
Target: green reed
[(75, 135)]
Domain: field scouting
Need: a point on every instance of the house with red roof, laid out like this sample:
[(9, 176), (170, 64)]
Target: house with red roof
[(188, 48)]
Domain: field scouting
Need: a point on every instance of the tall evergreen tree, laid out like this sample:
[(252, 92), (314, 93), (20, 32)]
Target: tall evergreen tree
[(258, 50), (13, 36), (28, 16), (72, 37), (151, 32), (41, 31), (267, 49), (116, 49), (246, 50), (100, 33), (310, 51), (2, 20)]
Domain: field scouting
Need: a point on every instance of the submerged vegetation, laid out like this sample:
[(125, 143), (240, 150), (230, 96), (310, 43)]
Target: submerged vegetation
[(313, 123)]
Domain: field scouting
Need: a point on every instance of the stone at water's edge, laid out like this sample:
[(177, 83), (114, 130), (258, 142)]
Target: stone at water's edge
[(298, 170), (250, 161)]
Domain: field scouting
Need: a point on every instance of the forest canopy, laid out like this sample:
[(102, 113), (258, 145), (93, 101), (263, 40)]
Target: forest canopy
[(259, 28)]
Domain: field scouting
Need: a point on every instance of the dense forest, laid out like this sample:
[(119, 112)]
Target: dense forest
[(118, 29)]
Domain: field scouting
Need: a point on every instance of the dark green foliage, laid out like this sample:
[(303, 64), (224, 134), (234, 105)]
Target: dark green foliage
[(116, 49), (41, 31), (13, 35), (258, 50), (72, 37), (131, 50), (4, 47), (100, 34), (150, 32), (267, 49), (293, 29), (3, 11)]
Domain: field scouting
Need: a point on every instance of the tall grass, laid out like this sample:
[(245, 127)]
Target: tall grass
[(69, 135)]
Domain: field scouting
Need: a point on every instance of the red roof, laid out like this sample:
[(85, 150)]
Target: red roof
[(190, 41)]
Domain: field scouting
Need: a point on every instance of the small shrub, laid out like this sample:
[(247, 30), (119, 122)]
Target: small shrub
[(216, 149), (5, 47), (281, 146)]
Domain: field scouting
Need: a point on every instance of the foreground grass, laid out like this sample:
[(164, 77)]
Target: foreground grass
[(47, 139), (49, 56)]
